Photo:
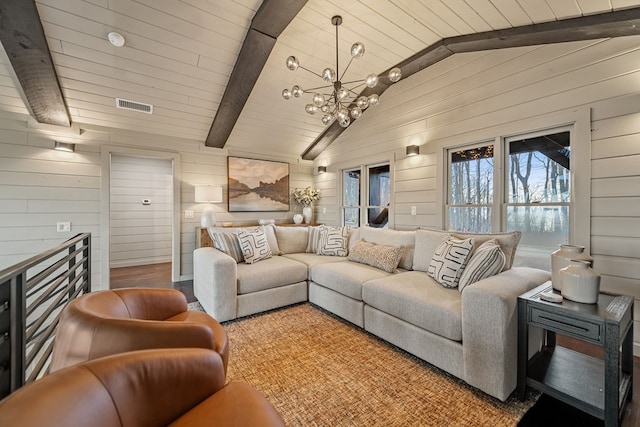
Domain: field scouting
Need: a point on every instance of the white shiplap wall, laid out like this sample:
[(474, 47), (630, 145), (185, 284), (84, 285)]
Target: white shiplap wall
[(476, 97), (140, 234), (40, 186)]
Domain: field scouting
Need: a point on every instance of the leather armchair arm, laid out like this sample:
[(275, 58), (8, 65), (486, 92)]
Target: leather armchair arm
[(112, 336), (153, 304)]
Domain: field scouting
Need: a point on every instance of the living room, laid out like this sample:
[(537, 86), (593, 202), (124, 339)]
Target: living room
[(589, 87)]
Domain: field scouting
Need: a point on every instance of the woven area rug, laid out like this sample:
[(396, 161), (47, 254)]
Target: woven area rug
[(318, 370)]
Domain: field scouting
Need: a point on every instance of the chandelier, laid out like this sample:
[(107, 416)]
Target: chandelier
[(338, 100)]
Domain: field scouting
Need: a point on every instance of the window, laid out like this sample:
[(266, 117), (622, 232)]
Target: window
[(527, 190), (376, 185)]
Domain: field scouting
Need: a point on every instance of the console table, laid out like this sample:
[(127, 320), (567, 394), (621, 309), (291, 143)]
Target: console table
[(599, 387)]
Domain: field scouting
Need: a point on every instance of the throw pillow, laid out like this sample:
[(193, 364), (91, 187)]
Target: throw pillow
[(314, 240), (385, 236), (449, 261), (227, 243), (333, 241), (486, 261), (383, 257), (508, 242), (255, 246), (270, 232)]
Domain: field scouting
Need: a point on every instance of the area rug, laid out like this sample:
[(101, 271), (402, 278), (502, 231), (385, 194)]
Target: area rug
[(318, 370)]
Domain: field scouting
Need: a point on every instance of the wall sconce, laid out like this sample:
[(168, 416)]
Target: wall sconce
[(322, 169), (208, 194), (64, 146), (413, 150)]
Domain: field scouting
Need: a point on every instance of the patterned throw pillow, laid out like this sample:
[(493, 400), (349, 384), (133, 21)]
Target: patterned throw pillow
[(314, 239), (449, 261), (227, 243), (383, 257), (333, 241), (255, 246), (486, 261)]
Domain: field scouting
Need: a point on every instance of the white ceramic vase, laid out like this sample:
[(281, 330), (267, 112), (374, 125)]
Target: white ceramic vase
[(580, 282), (307, 213), (562, 258), (297, 219)]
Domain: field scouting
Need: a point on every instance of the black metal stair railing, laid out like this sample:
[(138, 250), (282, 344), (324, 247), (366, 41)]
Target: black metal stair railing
[(32, 296)]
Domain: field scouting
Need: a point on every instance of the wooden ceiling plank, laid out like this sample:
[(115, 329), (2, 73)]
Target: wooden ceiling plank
[(26, 46), (620, 23), (268, 23)]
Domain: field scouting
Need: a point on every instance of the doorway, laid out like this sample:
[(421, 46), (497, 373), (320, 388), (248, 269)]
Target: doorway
[(141, 224)]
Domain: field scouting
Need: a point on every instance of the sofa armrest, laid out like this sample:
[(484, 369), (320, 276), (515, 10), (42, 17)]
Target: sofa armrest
[(215, 283), (490, 329)]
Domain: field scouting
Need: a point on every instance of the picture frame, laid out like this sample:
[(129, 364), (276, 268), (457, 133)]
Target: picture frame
[(257, 185)]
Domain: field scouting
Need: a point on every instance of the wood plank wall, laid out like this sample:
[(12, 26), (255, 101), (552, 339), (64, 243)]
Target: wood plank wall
[(140, 234)]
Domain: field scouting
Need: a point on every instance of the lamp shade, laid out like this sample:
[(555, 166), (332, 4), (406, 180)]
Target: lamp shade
[(208, 194)]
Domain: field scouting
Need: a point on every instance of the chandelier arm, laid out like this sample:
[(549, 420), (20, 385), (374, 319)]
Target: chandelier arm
[(316, 88), (309, 71), (345, 70), (361, 82)]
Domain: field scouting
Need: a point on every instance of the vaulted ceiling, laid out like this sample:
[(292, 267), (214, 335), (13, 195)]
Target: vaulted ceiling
[(180, 56)]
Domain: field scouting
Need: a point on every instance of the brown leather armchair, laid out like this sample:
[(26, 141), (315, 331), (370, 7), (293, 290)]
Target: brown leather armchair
[(146, 388), (102, 323)]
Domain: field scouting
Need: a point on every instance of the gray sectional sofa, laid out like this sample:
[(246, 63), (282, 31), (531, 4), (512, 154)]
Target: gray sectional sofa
[(470, 334)]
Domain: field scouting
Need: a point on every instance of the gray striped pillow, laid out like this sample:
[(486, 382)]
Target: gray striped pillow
[(255, 246), (227, 243), (488, 260), (449, 261)]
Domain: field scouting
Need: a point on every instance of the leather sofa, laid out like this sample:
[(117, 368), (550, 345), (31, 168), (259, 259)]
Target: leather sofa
[(146, 388), (119, 320)]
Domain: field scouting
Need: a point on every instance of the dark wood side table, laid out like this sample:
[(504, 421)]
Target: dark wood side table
[(599, 387)]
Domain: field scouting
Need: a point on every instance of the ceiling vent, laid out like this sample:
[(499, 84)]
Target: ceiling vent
[(126, 104)]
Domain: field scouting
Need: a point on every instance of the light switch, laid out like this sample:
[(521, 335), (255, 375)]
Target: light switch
[(413, 210), (61, 227), (188, 214)]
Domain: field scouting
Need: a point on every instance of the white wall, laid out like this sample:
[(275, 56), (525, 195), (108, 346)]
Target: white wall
[(140, 233), (40, 186), (475, 97)]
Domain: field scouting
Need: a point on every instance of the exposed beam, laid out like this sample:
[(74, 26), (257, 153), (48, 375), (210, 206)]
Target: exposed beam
[(267, 24), (24, 41), (604, 25)]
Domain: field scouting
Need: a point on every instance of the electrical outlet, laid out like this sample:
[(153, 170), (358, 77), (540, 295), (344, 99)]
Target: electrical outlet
[(324, 210), (413, 210), (61, 227), (188, 214)]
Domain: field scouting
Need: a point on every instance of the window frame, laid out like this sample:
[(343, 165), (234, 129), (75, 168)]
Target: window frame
[(364, 205)]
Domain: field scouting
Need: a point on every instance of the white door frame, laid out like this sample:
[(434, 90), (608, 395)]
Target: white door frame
[(106, 152)]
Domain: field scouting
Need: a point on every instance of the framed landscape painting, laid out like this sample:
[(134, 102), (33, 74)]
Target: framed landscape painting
[(257, 185)]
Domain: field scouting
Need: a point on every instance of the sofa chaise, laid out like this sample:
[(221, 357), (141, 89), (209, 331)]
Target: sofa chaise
[(436, 294)]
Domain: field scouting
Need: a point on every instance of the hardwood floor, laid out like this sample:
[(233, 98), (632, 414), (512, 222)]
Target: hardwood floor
[(149, 276), (547, 412)]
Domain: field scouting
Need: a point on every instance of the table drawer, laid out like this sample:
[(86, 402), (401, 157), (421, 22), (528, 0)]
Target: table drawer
[(566, 325)]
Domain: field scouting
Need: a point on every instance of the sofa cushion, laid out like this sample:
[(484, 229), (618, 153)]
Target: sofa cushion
[(416, 298), (345, 277), (426, 243), (333, 241), (381, 256), (508, 243), (227, 242), (385, 236), (292, 240), (314, 259), (254, 245), (486, 261), (270, 273), (449, 260)]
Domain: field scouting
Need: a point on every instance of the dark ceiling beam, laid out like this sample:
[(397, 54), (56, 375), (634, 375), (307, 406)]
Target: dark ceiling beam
[(24, 41), (267, 24), (604, 25)]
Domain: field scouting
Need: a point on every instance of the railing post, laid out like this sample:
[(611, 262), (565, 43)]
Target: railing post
[(17, 313), (87, 263), (72, 272)]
